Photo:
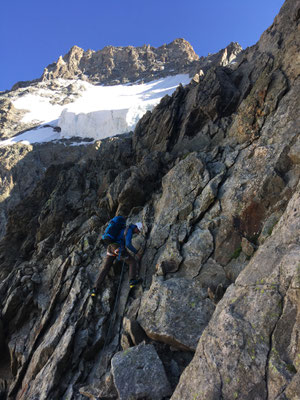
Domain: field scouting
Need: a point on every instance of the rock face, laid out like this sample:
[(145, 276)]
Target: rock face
[(213, 173), (175, 312), (9, 117), (14, 119), (252, 352), (138, 372), (115, 65), (122, 64), (22, 166)]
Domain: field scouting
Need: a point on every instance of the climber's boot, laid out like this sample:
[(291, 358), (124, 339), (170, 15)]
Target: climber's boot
[(135, 282)]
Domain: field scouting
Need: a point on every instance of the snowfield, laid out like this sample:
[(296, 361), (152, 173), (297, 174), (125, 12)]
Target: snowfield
[(99, 112), (38, 135)]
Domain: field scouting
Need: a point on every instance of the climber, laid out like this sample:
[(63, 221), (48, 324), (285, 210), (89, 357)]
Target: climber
[(117, 245)]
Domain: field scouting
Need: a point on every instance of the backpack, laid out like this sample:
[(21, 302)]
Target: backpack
[(112, 232)]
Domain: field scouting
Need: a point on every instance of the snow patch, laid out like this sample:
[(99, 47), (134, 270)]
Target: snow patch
[(39, 135), (98, 112)]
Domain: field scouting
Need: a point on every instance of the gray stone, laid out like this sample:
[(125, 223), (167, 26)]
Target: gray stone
[(211, 275), (196, 251), (125, 341), (36, 278), (29, 286), (25, 278), (268, 227), (170, 256), (139, 373), (181, 186), (248, 331), (129, 64), (294, 152), (292, 390), (232, 352), (76, 259), (175, 312), (12, 304), (28, 271), (103, 389), (134, 330), (205, 199), (247, 247), (1, 335), (236, 266), (230, 158)]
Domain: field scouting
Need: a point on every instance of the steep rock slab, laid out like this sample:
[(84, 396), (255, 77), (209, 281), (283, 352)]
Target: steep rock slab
[(175, 312), (139, 373), (250, 348), (232, 353), (186, 115), (261, 181), (23, 166), (180, 186), (196, 251)]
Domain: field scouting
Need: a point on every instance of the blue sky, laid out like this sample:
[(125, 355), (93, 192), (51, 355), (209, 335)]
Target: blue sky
[(35, 33)]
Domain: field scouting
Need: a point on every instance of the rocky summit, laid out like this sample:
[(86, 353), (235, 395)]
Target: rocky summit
[(213, 173), (115, 65)]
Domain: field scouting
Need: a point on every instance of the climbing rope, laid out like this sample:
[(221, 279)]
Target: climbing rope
[(113, 315)]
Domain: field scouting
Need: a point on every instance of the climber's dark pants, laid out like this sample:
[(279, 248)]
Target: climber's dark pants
[(111, 255)]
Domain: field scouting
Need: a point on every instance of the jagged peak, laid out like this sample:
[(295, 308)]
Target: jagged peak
[(75, 48)]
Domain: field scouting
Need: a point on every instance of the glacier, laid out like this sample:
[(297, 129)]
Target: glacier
[(96, 112)]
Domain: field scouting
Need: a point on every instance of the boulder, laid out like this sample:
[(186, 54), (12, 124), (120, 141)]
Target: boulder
[(105, 389), (175, 312), (134, 330), (170, 257), (247, 247), (236, 265), (211, 275), (139, 373)]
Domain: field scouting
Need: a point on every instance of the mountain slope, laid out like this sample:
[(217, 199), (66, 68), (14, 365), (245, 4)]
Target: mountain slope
[(77, 93), (213, 173)]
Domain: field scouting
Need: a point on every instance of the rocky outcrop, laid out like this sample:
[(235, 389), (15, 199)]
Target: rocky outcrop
[(119, 65), (13, 120), (123, 64), (253, 352), (213, 174), (138, 372), (9, 117), (165, 317), (116, 65), (188, 118), (22, 166)]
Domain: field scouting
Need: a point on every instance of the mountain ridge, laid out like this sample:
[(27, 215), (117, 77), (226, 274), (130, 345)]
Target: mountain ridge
[(147, 63)]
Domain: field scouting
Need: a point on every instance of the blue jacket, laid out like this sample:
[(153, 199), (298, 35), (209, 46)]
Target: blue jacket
[(125, 238)]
